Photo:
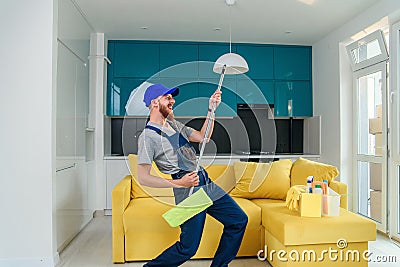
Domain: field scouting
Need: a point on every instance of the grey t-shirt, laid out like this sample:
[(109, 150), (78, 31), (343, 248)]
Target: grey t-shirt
[(155, 147)]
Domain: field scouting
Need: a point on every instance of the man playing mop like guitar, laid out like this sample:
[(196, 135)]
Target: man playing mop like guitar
[(166, 142)]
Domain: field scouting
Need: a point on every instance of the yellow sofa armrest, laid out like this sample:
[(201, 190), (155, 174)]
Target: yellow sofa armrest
[(121, 196), (341, 189)]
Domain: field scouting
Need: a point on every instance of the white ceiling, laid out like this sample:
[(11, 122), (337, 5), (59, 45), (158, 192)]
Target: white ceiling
[(253, 21)]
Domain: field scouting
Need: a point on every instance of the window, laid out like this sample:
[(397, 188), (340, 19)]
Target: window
[(368, 51)]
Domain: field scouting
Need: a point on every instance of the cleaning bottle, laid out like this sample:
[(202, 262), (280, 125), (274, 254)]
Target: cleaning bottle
[(325, 186), (310, 179), (317, 189)]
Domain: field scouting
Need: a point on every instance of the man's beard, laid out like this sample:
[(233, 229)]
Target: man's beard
[(166, 112)]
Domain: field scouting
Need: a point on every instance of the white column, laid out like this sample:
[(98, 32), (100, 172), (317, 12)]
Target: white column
[(96, 113)]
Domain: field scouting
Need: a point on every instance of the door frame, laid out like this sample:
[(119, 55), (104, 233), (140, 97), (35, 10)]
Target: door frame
[(382, 66), (394, 133)]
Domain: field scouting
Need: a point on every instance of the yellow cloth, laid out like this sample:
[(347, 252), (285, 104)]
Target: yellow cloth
[(293, 196), (192, 205)]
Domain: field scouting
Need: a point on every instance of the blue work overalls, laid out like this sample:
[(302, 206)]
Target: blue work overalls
[(224, 209)]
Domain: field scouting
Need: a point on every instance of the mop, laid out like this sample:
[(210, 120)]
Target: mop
[(198, 201)]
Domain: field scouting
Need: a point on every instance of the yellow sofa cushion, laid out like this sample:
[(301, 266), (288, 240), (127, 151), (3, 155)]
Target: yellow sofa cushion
[(262, 180), (222, 175), (138, 190), (302, 168), (215, 171), (291, 229), (252, 211)]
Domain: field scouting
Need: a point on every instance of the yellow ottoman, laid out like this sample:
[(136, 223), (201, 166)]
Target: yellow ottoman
[(292, 240)]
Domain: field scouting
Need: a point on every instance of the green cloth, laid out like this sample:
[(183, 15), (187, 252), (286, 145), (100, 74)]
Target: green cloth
[(188, 208)]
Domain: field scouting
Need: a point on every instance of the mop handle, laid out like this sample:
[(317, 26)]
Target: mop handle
[(210, 118)]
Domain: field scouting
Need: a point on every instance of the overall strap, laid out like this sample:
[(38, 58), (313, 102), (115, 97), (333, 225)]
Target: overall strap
[(182, 139), (157, 130)]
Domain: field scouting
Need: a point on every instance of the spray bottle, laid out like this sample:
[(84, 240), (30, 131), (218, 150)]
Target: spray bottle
[(310, 179)]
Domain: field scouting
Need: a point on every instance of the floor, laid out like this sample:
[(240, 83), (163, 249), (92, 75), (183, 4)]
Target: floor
[(92, 248)]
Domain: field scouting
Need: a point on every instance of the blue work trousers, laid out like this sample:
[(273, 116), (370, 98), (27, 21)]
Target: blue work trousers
[(226, 211)]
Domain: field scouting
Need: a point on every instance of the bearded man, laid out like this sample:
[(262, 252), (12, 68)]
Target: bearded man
[(167, 142)]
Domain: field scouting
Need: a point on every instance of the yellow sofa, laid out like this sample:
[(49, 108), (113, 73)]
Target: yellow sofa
[(273, 233)]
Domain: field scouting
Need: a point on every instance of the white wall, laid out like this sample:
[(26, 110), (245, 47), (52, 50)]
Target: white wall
[(26, 136), (28, 193), (333, 87)]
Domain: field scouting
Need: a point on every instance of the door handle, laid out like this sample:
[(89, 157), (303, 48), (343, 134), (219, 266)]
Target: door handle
[(391, 94)]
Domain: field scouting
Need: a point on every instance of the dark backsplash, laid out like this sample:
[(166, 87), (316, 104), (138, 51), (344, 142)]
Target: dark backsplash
[(249, 132), (289, 136)]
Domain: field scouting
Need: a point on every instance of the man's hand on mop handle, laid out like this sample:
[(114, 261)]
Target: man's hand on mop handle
[(189, 180), (215, 98)]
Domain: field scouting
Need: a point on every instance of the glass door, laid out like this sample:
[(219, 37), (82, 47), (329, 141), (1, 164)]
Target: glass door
[(371, 137), (368, 57)]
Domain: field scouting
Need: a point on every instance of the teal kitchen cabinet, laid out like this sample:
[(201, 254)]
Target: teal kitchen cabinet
[(118, 95), (227, 108), (208, 55), (292, 63), (179, 60), (186, 102), (134, 60), (255, 91), (299, 93), (277, 73), (260, 59)]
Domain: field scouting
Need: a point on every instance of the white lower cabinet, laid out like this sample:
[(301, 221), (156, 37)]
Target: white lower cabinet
[(72, 209), (116, 169)]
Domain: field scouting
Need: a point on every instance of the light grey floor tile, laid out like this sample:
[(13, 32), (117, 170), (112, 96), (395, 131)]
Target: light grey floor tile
[(92, 248), (385, 253)]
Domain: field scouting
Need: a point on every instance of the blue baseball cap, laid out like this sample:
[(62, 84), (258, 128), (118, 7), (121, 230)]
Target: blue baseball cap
[(155, 90)]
